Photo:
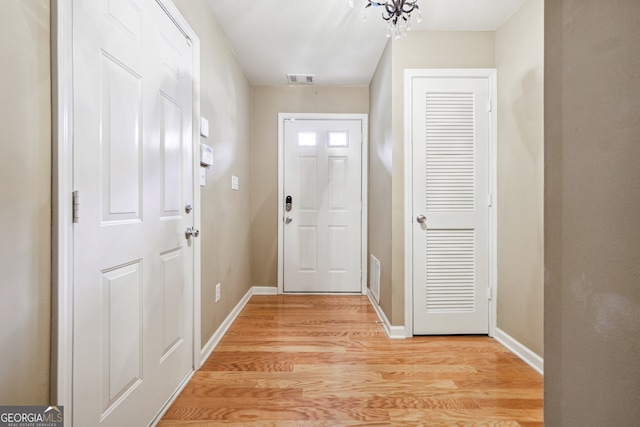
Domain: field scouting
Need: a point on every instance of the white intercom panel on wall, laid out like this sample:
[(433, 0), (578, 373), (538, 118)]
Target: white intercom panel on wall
[(206, 155)]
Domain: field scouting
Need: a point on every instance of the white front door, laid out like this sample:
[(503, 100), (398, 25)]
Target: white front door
[(133, 265), (450, 141), (322, 225)]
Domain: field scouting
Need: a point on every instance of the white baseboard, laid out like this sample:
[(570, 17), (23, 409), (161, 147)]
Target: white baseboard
[(528, 356), (393, 332), (264, 290)]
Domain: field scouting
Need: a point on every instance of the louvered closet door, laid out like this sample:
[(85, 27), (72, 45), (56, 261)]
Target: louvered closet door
[(450, 130)]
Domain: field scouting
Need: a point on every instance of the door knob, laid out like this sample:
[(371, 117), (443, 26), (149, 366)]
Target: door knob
[(421, 219), (288, 220), (191, 232)]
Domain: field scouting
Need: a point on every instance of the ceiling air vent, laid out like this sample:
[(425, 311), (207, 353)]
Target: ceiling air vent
[(300, 79)]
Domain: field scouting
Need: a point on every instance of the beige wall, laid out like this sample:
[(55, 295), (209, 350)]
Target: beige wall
[(422, 49), (592, 207), (266, 103), (520, 64), (380, 159), (25, 217), (225, 99)]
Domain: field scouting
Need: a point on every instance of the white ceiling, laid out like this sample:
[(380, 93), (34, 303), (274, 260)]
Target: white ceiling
[(273, 38)]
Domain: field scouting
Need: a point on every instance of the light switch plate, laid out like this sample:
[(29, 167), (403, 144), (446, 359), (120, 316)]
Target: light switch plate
[(203, 176), (235, 185)]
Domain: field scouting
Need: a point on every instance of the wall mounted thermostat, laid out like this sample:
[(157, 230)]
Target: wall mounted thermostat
[(206, 155)]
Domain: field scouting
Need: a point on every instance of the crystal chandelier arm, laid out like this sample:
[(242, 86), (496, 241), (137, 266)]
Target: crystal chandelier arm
[(412, 5), (387, 8), (373, 3), (390, 11), (393, 8)]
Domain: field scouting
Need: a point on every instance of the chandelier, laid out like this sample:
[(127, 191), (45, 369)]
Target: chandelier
[(397, 13)]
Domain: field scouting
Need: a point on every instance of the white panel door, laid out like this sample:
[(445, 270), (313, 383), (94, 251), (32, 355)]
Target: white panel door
[(133, 265), (450, 134), (322, 231)]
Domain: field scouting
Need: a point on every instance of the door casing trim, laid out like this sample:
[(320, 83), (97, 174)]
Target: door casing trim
[(409, 76), (61, 387), (364, 118)]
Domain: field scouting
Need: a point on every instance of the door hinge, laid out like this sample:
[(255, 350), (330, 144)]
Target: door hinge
[(489, 106), (76, 207), (489, 293), (490, 200)]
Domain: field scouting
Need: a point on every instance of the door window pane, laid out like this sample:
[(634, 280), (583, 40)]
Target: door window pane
[(307, 139), (338, 139)]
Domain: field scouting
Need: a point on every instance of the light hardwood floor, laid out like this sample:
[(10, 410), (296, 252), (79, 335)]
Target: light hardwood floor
[(325, 361)]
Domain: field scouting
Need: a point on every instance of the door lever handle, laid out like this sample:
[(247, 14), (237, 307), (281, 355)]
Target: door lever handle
[(191, 232)]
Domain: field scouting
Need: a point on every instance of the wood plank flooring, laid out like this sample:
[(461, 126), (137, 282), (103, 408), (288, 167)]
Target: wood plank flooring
[(325, 361)]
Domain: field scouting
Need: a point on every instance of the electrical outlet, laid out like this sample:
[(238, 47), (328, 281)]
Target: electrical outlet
[(218, 292)]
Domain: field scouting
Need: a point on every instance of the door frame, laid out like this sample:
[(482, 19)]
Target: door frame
[(62, 189), (409, 75), (364, 119)]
